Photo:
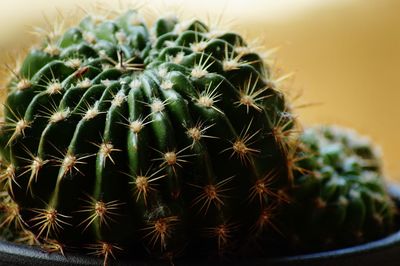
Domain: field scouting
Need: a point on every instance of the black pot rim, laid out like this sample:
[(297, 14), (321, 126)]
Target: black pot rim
[(385, 251)]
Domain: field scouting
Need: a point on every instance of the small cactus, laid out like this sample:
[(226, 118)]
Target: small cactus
[(339, 196), (117, 137)]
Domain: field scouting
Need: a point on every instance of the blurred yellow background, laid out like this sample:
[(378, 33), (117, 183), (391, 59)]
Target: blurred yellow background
[(345, 53)]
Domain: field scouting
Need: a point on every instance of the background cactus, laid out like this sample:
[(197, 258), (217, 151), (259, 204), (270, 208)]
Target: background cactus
[(118, 137), (339, 196)]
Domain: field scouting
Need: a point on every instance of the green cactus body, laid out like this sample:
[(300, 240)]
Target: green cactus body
[(339, 195), (120, 136)]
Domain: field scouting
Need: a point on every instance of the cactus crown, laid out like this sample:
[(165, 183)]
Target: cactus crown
[(117, 136)]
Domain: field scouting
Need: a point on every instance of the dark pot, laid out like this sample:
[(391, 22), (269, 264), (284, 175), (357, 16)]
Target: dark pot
[(385, 252)]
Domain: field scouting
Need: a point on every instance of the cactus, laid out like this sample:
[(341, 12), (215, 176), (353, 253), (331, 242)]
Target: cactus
[(118, 139), (339, 195)]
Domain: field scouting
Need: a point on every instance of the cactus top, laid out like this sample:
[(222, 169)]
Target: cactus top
[(119, 136)]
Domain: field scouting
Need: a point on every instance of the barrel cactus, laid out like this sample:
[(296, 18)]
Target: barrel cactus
[(119, 138), (339, 195)]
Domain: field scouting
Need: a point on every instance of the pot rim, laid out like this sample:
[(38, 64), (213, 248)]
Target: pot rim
[(389, 241)]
